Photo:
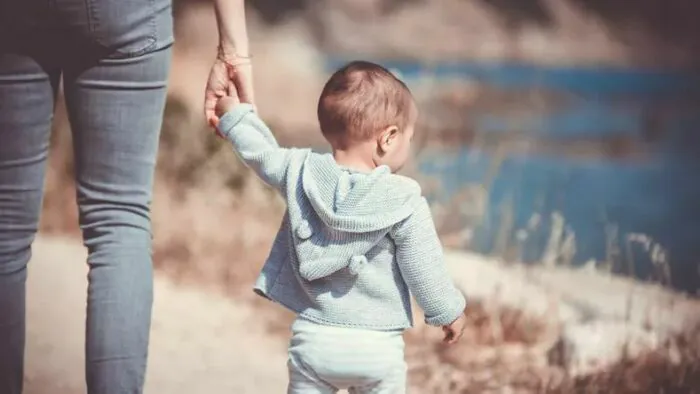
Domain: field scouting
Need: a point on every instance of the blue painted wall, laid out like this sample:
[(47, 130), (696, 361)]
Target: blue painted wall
[(657, 195)]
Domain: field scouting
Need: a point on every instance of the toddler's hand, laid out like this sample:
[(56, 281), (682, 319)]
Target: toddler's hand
[(225, 104), (453, 331)]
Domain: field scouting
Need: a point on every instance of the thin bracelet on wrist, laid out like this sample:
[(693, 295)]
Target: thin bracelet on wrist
[(232, 59)]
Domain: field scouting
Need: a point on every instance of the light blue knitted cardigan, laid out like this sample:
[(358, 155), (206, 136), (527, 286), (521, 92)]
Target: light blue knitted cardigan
[(351, 244)]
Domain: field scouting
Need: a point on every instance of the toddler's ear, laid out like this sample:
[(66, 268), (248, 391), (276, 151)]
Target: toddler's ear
[(387, 137)]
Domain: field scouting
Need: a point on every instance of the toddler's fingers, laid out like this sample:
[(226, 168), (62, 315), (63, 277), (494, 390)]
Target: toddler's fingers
[(209, 104), (449, 334)]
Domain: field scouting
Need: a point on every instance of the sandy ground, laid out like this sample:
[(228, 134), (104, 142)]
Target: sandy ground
[(201, 343)]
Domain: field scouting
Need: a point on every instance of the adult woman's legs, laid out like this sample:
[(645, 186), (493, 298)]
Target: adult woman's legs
[(27, 90), (115, 73), (115, 108)]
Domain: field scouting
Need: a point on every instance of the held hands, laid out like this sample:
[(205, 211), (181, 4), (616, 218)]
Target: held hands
[(453, 331), (230, 82), (225, 104)]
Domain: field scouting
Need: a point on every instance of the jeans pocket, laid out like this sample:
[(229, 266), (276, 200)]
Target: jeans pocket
[(125, 28)]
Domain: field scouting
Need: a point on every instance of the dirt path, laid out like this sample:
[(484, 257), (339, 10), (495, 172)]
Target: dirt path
[(201, 343)]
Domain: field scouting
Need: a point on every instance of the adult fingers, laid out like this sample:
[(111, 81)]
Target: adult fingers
[(242, 76), (210, 100)]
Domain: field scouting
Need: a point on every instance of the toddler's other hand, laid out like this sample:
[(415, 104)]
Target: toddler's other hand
[(453, 331)]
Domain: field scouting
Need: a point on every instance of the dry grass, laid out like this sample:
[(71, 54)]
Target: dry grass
[(501, 348), (675, 368), (505, 351)]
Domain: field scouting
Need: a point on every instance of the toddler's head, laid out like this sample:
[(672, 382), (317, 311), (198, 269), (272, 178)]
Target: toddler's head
[(367, 115)]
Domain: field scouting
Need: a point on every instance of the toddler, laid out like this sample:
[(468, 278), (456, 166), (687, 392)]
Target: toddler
[(355, 239)]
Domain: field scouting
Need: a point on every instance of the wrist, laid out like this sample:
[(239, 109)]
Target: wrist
[(229, 53)]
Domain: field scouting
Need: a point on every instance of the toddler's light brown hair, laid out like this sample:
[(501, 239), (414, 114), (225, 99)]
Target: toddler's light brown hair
[(360, 100)]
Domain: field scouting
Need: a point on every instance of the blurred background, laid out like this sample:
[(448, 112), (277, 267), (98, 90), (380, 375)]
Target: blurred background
[(558, 147)]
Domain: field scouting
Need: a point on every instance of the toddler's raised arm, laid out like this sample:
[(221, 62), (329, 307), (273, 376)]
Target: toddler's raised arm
[(255, 144)]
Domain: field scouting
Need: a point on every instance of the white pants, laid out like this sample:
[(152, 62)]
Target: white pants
[(325, 359)]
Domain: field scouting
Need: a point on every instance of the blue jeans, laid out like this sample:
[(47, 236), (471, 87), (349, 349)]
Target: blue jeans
[(113, 57)]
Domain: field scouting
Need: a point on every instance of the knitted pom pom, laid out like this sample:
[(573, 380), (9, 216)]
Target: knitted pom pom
[(357, 264), (304, 230)]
